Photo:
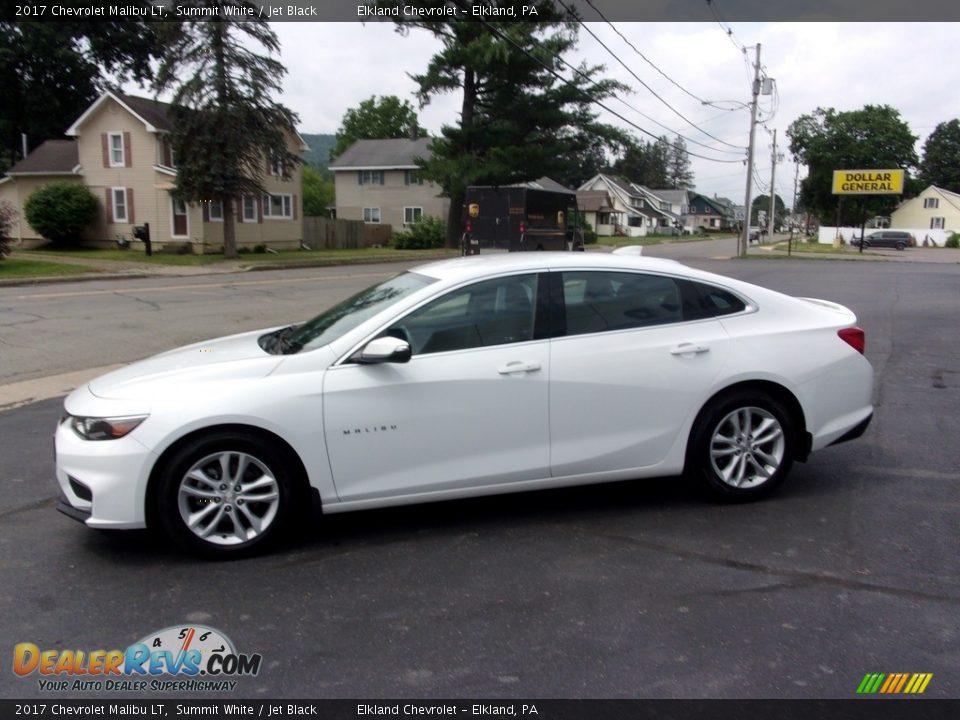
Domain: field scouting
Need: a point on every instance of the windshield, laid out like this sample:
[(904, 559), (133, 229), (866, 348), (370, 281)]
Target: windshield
[(345, 316)]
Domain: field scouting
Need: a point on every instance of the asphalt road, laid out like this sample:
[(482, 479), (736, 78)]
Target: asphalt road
[(624, 590)]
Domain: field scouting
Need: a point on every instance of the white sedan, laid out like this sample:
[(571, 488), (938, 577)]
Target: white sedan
[(467, 377)]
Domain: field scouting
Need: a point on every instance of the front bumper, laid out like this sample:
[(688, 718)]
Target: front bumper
[(103, 483)]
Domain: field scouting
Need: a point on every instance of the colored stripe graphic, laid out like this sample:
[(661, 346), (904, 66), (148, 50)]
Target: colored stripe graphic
[(894, 683)]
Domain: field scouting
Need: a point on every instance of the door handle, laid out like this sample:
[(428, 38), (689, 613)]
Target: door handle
[(518, 366), (689, 349)]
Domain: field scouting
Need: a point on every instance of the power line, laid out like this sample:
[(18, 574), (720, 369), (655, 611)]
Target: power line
[(599, 103), (646, 59), (728, 31), (639, 80)]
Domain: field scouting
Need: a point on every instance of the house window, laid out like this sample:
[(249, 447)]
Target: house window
[(278, 206), (412, 177), (371, 177), (249, 208), (931, 203), (371, 215), (412, 214), (937, 223), (215, 210), (276, 167), (117, 158), (119, 197)]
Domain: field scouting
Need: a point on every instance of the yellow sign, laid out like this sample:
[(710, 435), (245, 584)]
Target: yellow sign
[(474, 210), (868, 182)]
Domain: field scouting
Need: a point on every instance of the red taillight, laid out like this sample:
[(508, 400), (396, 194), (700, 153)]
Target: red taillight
[(523, 228), (469, 227), (854, 337)]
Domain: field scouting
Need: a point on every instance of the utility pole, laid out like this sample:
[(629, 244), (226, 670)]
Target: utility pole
[(773, 191), (793, 207), (755, 92)]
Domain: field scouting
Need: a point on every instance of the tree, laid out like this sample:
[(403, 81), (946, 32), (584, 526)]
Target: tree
[(941, 157), (761, 203), (518, 121), (8, 216), (225, 124), (61, 211), (645, 163), (318, 193), (872, 138), (679, 173), (50, 72), (388, 117)]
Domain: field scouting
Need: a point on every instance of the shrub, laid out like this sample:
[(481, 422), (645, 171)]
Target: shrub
[(426, 233), (61, 211), (589, 234), (259, 249), (8, 216), (953, 241)]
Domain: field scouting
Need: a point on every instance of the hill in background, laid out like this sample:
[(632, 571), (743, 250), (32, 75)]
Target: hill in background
[(319, 154)]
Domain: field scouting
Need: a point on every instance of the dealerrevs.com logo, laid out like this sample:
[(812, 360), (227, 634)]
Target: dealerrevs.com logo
[(176, 659)]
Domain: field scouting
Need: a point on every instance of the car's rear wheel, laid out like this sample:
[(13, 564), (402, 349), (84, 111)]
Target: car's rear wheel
[(225, 495), (901, 246), (742, 446)]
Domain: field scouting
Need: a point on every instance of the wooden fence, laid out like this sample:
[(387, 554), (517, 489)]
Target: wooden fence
[(322, 233)]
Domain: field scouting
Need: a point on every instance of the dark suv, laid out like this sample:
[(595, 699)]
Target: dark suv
[(898, 239)]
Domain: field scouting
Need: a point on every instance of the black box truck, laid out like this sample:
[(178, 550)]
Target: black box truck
[(518, 218)]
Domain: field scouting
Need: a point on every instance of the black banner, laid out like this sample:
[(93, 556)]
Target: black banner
[(721, 11), (855, 709)]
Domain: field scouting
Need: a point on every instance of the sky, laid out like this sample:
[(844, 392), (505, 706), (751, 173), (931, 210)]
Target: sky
[(334, 66)]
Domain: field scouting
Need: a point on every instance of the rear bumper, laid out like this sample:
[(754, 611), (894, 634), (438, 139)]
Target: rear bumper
[(854, 432)]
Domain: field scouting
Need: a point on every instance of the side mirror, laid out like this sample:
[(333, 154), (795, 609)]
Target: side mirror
[(383, 349)]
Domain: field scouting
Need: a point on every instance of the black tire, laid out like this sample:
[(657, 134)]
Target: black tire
[(715, 421), (264, 465), (900, 246)]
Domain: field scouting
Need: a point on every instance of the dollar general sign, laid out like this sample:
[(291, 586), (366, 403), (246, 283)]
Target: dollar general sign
[(868, 182)]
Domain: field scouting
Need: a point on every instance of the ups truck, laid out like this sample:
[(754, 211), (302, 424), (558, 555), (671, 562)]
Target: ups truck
[(520, 218)]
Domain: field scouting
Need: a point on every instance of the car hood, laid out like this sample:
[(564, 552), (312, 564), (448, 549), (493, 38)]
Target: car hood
[(228, 358)]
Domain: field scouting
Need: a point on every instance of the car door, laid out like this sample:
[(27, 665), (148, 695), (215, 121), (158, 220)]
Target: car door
[(634, 356), (468, 410)]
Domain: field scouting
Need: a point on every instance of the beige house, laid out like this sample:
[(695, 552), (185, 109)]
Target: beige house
[(933, 209), (377, 181), (121, 151)]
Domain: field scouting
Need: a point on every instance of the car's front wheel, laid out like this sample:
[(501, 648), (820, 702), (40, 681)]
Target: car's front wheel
[(742, 446), (225, 495)]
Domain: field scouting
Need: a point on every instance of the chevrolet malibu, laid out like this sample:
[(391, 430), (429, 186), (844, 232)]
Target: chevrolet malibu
[(467, 377)]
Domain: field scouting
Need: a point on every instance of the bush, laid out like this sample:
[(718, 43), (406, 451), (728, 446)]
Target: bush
[(953, 241), (8, 216), (426, 233), (259, 249), (61, 211)]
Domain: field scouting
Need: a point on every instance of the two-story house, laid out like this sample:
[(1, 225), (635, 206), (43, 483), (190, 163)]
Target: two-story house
[(709, 213), (933, 209), (622, 208), (121, 151), (378, 181)]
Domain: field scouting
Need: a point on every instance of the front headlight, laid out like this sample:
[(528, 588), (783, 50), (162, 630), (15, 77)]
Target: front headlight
[(98, 428)]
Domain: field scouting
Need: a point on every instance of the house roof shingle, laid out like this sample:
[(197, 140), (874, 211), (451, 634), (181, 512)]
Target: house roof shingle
[(153, 111), (593, 200), (382, 154), (51, 157)]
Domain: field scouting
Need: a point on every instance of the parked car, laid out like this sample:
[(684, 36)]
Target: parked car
[(467, 377), (755, 234), (898, 239)]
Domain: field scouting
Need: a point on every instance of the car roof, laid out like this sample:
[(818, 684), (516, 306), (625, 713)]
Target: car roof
[(496, 263)]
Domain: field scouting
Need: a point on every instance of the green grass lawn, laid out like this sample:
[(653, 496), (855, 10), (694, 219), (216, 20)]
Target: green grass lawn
[(821, 249), (284, 257), (22, 268), (135, 256), (618, 241)]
